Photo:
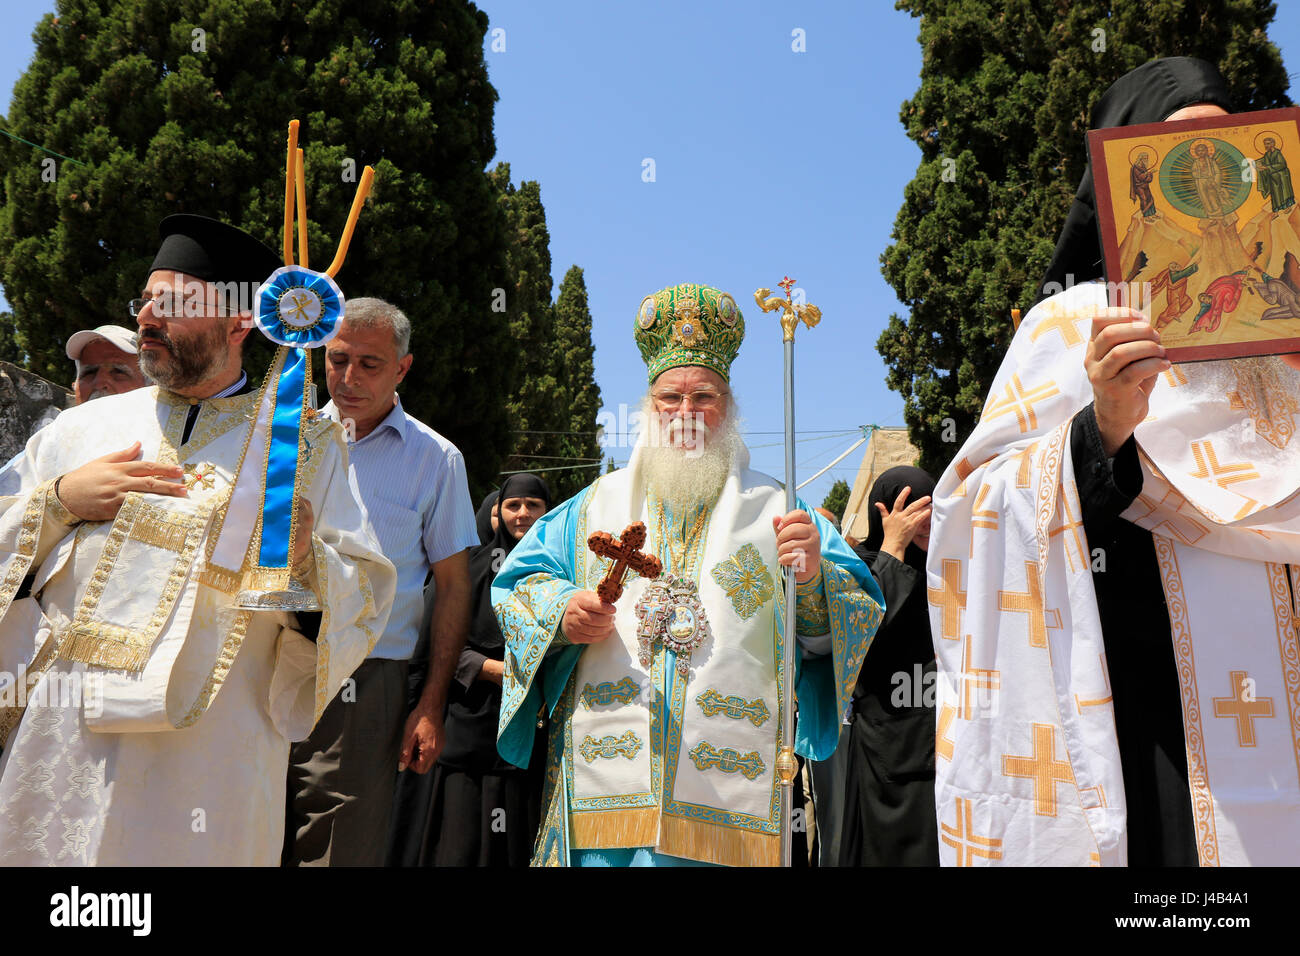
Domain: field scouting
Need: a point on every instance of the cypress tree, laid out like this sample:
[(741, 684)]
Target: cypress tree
[(575, 370), (532, 403)]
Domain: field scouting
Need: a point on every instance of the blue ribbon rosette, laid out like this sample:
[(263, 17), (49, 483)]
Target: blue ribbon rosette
[(299, 309)]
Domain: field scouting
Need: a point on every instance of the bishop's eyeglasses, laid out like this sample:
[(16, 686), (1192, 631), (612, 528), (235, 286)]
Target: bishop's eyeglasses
[(703, 399)]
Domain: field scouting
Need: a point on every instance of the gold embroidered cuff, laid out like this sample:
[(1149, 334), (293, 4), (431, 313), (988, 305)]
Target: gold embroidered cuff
[(54, 509), (812, 620), (811, 587), (811, 613), (561, 639)]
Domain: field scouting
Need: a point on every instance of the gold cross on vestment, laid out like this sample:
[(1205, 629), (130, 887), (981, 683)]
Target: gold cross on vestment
[(950, 597), (982, 518), (201, 474), (1043, 768), (1081, 703), (943, 744), (975, 679), (1178, 525), (963, 839), (1063, 321), (1071, 525), (963, 469), (1243, 707), (1031, 602), (1207, 466), (1018, 400), (1026, 465)]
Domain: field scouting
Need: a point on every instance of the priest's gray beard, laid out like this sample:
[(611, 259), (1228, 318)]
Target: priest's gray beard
[(684, 478), (192, 360)]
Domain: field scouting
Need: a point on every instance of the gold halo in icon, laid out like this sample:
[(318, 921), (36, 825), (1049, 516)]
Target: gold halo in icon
[(1153, 157), (1258, 141)]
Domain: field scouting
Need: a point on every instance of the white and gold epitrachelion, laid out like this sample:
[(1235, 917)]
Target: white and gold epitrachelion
[(145, 718), (1028, 769)]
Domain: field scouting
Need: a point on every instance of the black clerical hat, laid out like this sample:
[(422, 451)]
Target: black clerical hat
[(213, 251)]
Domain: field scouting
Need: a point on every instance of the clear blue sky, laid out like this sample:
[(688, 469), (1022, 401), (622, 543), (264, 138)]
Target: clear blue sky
[(767, 162)]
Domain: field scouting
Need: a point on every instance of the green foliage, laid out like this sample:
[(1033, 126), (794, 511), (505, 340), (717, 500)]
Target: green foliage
[(531, 404), (169, 120), (575, 369), (9, 346), (1007, 87), (837, 498), (554, 397)]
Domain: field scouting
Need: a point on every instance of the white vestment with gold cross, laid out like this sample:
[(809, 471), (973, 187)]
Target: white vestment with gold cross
[(1028, 768), (147, 721), (668, 751)]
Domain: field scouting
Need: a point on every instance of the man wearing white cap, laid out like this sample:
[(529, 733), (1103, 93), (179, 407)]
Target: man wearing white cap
[(107, 362)]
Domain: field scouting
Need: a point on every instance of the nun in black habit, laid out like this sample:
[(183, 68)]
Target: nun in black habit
[(889, 817), (485, 811), (1130, 598), (485, 519), (414, 791)]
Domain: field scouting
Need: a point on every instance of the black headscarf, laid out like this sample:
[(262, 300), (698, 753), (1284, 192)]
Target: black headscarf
[(1148, 94), (886, 490), (483, 517), (485, 562), (903, 640), (472, 712)]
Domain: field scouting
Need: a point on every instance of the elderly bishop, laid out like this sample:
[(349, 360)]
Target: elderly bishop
[(665, 707), (146, 717)]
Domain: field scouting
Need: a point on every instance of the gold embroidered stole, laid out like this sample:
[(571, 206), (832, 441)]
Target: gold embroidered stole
[(684, 764)]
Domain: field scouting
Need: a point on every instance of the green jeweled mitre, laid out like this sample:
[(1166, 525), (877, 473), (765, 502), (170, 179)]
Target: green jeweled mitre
[(689, 324)]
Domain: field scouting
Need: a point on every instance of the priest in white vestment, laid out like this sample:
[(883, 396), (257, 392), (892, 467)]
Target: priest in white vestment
[(665, 707), (1114, 579), (145, 719)]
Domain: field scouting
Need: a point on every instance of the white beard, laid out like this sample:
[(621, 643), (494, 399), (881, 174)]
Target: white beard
[(685, 478)]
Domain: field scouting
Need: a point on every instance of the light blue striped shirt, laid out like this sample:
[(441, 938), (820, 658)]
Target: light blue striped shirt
[(413, 485)]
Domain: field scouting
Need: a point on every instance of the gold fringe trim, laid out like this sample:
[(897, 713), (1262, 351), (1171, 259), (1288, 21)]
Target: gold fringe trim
[(607, 829), (159, 533), (219, 578), (711, 843), (105, 645), (93, 641)]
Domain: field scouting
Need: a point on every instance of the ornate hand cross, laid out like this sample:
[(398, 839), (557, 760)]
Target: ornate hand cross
[(626, 554)]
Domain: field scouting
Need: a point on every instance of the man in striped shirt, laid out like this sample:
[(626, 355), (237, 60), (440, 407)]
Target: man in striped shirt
[(412, 483)]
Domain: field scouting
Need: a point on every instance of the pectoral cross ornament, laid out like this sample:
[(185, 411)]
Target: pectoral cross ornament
[(627, 555)]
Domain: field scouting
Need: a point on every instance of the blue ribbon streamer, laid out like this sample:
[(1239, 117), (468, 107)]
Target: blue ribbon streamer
[(282, 464), (286, 417)]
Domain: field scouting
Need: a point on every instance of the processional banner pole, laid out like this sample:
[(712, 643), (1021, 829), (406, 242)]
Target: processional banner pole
[(786, 766)]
